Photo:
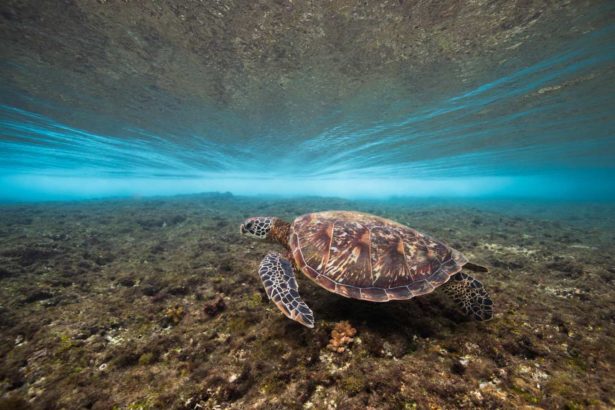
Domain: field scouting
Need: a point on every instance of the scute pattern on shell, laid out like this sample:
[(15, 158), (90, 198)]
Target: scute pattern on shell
[(366, 257)]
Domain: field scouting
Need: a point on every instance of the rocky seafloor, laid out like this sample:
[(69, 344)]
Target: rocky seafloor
[(156, 303)]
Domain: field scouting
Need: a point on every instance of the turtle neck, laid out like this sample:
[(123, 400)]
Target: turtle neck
[(280, 232)]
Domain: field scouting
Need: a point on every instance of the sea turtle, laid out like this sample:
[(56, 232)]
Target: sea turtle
[(361, 256)]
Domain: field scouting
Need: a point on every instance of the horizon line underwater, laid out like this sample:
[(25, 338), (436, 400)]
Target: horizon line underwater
[(573, 187)]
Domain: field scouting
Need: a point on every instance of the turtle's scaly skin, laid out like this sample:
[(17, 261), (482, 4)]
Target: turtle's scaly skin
[(366, 257)]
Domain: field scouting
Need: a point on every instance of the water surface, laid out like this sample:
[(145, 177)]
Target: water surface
[(520, 109)]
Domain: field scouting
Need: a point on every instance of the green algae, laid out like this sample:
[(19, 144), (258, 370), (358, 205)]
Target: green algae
[(174, 314), (255, 300), (272, 385), (146, 358), (13, 403), (353, 384), (65, 343), (574, 406), (139, 405), (237, 325), (526, 395)]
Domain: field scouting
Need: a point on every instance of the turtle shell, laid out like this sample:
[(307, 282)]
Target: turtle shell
[(366, 257)]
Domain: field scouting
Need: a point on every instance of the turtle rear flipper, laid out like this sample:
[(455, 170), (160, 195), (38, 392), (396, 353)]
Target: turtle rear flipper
[(470, 296), (278, 277)]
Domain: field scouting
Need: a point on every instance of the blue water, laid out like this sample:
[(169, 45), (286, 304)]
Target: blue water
[(544, 130)]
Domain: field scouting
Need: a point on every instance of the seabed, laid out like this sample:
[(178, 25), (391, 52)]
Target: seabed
[(156, 303)]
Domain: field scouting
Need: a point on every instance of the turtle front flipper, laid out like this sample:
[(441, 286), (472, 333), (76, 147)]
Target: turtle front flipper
[(470, 296), (277, 275)]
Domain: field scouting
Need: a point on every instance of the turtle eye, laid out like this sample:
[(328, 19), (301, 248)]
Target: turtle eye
[(249, 225)]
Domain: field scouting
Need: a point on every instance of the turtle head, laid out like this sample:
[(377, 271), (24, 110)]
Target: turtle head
[(258, 227)]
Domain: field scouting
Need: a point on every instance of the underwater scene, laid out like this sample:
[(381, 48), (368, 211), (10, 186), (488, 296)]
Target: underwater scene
[(324, 204)]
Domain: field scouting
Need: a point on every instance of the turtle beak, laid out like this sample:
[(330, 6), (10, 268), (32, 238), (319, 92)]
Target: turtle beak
[(242, 230)]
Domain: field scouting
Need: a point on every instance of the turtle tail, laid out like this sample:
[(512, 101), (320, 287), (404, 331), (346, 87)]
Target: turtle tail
[(470, 296)]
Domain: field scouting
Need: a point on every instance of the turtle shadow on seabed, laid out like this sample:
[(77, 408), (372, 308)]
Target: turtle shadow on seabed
[(427, 316)]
